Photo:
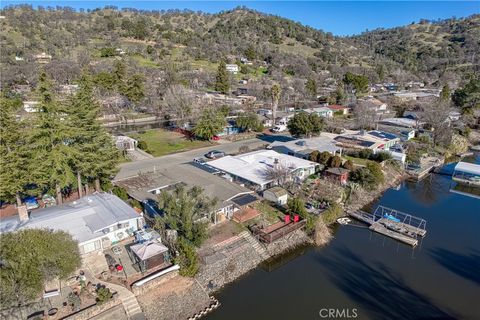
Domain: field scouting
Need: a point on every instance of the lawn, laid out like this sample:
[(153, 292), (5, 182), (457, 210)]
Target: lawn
[(357, 161), (161, 142), (270, 213)]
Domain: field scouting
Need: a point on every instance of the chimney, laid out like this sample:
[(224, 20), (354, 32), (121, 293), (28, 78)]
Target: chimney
[(23, 213)]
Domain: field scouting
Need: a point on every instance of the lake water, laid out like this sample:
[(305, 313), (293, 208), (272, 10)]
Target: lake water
[(378, 277)]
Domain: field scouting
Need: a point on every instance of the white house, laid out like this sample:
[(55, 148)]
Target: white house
[(30, 106), (277, 195), (233, 68), (251, 168), (96, 221), (324, 112)]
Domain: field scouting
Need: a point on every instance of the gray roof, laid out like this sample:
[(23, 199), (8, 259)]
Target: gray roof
[(84, 219), (190, 175), (148, 249), (301, 145)]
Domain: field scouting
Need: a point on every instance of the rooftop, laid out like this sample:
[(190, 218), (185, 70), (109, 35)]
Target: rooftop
[(84, 219), (251, 166), (321, 143), (139, 187), (278, 191), (468, 168), (337, 171)]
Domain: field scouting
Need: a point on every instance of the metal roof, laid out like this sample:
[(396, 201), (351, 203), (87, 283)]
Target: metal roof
[(148, 249), (468, 167), (84, 219)]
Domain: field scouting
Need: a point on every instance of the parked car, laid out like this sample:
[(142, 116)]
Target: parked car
[(215, 154), (279, 128), (215, 138), (31, 203), (199, 160)]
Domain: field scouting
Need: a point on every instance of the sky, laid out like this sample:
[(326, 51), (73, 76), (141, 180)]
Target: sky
[(338, 17)]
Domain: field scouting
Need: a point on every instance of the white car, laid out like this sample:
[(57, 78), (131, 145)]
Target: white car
[(279, 128)]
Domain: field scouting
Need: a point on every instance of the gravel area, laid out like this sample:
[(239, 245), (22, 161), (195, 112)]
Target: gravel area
[(179, 298)]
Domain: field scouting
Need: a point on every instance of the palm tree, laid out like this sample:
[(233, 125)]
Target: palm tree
[(275, 92)]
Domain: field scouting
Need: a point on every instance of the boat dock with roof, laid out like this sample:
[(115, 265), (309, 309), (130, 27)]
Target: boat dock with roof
[(394, 224)]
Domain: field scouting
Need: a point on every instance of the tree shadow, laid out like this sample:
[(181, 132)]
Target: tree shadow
[(378, 290), (274, 137), (464, 265)]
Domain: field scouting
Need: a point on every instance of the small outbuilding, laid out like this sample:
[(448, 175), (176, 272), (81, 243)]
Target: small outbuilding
[(149, 254), (277, 195), (337, 174)]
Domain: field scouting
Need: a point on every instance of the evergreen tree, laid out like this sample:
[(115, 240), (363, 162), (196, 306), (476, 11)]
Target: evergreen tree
[(134, 89), (96, 156), (51, 143), (445, 94), (304, 124), (311, 87), (275, 92), (222, 82), (210, 124), (249, 121), (13, 151)]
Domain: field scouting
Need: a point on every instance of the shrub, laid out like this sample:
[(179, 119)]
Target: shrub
[(324, 158), (330, 215), (103, 295), (335, 162), (365, 153), (187, 258), (349, 165), (120, 192), (376, 170), (380, 156), (142, 145)]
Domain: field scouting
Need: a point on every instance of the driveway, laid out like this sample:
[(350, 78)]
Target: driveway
[(130, 169)]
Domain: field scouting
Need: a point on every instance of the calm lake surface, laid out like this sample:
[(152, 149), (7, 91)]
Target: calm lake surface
[(380, 277)]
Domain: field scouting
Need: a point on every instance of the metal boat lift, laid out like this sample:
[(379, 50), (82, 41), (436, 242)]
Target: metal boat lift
[(395, 224)]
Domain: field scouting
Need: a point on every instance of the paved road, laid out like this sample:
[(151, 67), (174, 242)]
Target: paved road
[(130, 169)]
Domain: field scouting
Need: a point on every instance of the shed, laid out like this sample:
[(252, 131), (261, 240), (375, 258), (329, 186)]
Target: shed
[(277, 195), (149, 254), (338, 174)]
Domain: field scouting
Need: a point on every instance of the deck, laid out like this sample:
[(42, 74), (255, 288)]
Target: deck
[(405, 228)]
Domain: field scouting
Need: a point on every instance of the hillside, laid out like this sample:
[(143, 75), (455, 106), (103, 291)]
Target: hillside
[(185, 47)]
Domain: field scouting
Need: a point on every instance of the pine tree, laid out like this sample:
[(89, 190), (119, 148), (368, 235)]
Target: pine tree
[(13, 151), (222, 82), (275, 92), (51, 142), (311, 87), (210, 124), (96, 156)]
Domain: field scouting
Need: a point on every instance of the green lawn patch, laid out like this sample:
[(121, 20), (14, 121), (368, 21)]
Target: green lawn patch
[(270, 213), (357, 161), (161, 142)]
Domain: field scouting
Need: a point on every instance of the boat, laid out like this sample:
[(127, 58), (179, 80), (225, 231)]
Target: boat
[(344, 221), (390, 217)]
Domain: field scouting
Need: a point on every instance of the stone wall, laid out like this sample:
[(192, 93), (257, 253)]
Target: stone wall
[(94, 310)]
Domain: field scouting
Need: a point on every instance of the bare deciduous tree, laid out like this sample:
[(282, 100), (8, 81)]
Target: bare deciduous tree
[(279, 172), (365, 116), (435, 115), (179, 102)]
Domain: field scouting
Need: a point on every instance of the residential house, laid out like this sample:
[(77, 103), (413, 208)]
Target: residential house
[(229, 129), (403, 133), (17, 58), (96, 221), (338, 108), (232, 68), (147, 186), (302, 148), (43, 58), (31, 106), (266, 121), (251, 168), (337, 174), (324, 112), (374, 104), (277, 195), (374, 140)]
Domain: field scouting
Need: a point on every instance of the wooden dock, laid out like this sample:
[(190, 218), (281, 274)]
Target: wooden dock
[(379, 228), (398, 230)]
